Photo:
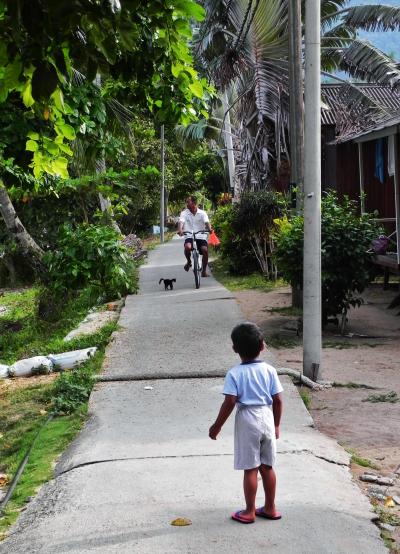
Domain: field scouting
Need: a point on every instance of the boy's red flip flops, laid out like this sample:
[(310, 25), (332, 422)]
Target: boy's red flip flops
[(260, 512), (237, 516)]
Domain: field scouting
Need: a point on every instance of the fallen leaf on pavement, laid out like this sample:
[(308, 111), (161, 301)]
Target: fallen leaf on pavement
[(181, 522)]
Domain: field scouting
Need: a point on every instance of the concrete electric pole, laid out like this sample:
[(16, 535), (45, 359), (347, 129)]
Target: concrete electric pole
[(312, 333)]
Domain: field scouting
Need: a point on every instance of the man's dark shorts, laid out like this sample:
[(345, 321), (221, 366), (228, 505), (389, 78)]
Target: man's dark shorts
[(199, 243)]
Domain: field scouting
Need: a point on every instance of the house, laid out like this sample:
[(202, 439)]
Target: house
[(360, 156)]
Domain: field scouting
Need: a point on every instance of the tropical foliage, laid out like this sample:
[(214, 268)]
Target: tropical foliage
[(346, 263), (243, 46), (89, 256), (47, 45), (68, 70), (246, 231)]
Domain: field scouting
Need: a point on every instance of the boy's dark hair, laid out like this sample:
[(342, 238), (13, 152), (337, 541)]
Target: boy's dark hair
[(247, 339), (193, 199)]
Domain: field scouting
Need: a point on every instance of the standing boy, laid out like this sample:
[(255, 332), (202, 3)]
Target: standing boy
[(255, 388)]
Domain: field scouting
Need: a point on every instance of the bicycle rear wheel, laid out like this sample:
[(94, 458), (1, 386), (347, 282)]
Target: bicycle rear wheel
[(196, 269)]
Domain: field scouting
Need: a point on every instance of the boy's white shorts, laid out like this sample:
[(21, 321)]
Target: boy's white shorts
[(255, 442)]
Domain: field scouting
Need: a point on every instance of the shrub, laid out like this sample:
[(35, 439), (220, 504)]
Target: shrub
[(346, 264), (245, 230), (90, 256), (234, 249), (254, 220), (72, 389)]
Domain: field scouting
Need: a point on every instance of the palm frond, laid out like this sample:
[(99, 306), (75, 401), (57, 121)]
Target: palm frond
[(365, 62), (373, 18), (330, 10), (201, 130), (122, 114)]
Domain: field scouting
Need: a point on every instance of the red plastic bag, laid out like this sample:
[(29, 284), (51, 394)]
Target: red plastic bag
[(213, 239)]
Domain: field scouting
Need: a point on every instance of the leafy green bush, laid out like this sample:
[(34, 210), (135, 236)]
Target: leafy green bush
[(254, 221), (234, 249), (90, 256), (245, 232), (346, 265)]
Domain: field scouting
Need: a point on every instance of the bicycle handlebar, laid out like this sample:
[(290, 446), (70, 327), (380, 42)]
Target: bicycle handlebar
[(196, 233)]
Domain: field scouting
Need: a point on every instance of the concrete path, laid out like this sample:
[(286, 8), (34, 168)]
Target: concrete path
[(144, 457)]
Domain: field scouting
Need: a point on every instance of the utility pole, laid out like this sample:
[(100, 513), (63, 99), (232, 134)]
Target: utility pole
[(312, 333), (296, 104), (162, 185), (229, 146)]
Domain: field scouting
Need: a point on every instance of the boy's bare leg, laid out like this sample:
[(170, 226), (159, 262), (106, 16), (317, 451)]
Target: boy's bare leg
[(250, 491), (269, 484)]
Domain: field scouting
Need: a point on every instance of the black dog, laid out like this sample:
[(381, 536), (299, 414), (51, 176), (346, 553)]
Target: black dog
[(168, 283)]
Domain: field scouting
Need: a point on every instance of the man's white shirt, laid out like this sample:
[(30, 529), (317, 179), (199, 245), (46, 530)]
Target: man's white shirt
[(193, 222)]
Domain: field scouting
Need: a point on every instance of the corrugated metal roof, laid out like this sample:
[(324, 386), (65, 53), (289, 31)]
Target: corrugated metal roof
[(353, 120), (379, 126), (331, 96)]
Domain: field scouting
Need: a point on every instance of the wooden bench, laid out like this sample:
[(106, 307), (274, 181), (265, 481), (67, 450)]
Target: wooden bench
[(390, 265)]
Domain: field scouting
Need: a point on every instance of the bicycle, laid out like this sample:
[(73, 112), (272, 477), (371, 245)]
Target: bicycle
[(197, 262)]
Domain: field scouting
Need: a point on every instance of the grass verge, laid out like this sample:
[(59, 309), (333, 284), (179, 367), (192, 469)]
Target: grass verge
[(23, 334), (358, 460), (306, 397), (24, 410), (25, 404), (242, 282)]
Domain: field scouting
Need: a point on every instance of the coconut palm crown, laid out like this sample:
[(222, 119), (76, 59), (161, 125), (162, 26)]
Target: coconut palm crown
[(242, 45)]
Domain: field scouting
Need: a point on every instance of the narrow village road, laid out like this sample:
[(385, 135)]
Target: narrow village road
[(144, 458)]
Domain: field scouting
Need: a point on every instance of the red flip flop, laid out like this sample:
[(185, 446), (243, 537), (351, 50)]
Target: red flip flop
[(260, 512), (236, 516)]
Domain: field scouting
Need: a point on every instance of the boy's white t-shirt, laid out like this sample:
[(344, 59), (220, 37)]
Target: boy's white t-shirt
[(254, 383)]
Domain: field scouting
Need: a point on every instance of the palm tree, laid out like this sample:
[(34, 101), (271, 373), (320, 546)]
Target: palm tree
[(243, 46)]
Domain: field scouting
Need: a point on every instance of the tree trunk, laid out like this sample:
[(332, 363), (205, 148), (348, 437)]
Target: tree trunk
[(296, 103), (105, 204), (297, 296), (29, 247), (12, 274)]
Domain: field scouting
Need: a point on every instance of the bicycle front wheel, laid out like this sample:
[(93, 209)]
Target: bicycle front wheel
[(196, 269)]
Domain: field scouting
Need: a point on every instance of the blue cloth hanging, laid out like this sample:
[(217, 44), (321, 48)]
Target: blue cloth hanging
[(379, 160)]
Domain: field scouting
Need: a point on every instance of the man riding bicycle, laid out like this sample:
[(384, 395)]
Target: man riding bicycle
[(193, 220)]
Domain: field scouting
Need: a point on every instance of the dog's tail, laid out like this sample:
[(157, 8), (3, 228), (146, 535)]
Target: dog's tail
[(160, 281)]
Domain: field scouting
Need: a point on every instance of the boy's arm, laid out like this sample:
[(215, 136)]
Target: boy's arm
[(225, 411), (277, 411)]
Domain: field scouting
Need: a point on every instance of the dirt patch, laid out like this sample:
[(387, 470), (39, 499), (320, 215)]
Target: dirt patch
[(368, 354), (23, 382)]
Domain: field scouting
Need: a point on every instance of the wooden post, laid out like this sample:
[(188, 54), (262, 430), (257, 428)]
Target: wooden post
[(397, 193), (361, 173), (296, 103)]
